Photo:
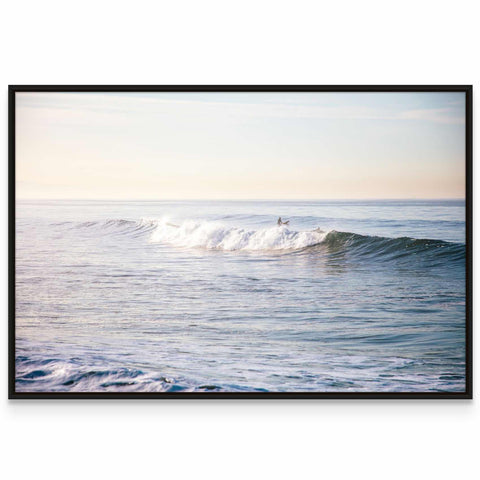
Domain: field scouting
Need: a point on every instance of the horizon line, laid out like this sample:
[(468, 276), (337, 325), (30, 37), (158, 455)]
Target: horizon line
[(240, 199)]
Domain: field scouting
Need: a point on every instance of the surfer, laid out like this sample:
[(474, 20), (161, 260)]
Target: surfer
[(280, 222)]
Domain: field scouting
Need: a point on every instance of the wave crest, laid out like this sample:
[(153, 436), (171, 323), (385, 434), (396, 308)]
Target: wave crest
[(212, 235), (218, 236)]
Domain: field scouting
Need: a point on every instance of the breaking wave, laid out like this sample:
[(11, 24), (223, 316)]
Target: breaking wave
[(218, 236), (212, 235)]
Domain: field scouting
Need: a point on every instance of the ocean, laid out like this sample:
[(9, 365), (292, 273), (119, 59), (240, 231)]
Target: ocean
[(181, 296)]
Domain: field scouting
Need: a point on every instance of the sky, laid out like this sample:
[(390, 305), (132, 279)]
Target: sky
[(240, 145)]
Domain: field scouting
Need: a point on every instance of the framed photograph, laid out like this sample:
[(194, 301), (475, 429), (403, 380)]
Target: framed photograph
[(240, 242)]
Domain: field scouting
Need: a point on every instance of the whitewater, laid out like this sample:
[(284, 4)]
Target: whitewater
[(214, 235), (181, 296)]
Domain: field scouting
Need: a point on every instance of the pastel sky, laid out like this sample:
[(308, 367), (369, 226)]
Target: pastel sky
[(240, 145)]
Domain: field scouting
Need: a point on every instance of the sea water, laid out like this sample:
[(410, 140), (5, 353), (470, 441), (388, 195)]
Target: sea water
[(362, 296)]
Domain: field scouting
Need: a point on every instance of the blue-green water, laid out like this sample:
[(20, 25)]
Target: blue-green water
[(202, 295)]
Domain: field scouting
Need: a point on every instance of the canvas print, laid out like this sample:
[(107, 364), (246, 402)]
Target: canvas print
[(240, 242)]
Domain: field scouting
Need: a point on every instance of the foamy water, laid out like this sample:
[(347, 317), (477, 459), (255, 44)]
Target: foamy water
[(214, 296), (215, 235)]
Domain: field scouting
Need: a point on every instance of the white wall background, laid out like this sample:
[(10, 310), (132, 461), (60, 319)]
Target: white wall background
[(261, 42)]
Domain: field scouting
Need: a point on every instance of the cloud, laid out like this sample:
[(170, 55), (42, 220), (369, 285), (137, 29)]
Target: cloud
[(126, 104), (437, 115)]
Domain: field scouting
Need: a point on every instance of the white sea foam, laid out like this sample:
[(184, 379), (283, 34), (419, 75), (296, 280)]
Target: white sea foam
[(214, 235)]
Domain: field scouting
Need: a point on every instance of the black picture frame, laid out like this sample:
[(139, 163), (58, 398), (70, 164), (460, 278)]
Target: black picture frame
[(13, 89)]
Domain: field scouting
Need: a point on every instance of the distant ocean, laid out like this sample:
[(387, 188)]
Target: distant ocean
[(350, 296)]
